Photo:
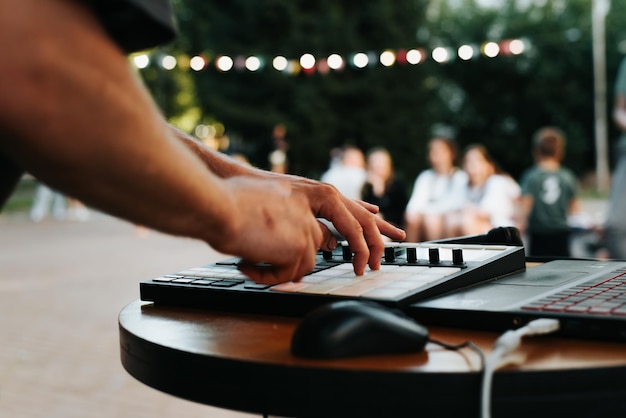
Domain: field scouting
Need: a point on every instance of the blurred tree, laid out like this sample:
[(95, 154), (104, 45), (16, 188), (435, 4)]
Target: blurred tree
[(496, 101), (501, 102), (367, 107)]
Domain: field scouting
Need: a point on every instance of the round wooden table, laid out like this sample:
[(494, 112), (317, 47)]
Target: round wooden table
[(242, 362)]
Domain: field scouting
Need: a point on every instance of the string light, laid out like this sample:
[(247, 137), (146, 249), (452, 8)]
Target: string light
[(141, 61), (197, 63), (253, 63), (335, 61), (224, 63), (360, 60), (516, 46), (465, 52), (491, 49), (441, 55), (387, 58), (280, 63), (414, 56), (308, 63), (168, 62)]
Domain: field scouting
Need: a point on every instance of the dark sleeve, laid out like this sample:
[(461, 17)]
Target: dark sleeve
[(136, 24), (10, 174), (398, 200), (367, 194)]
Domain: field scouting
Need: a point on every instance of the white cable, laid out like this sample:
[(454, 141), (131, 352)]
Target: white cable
[(504, 345)]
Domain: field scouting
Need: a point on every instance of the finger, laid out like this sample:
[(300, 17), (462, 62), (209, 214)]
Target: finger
[(329, 241), (301, 260), (265, 274), (392, 232), (353, 230), (368, 206)]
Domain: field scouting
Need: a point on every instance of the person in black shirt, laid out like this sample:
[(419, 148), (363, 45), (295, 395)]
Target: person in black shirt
[(383, 189)]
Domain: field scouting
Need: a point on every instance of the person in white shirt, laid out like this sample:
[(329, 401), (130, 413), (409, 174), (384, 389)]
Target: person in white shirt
[(437, 191), (492, 196), (349, 175)]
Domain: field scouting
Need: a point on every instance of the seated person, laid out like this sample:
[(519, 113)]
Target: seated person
[(348, 174), (383, 189), (438, 191), (492, 196)]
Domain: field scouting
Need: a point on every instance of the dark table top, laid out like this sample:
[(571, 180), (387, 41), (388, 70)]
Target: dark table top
[(242, 362)]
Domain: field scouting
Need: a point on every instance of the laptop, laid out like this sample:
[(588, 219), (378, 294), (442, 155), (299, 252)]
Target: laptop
[(588, 297)]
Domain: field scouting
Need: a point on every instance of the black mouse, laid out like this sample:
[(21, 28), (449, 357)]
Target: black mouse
[(354, 328)]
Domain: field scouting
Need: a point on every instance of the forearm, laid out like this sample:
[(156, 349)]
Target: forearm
[(106, 144), (226, 167), (220, 164)]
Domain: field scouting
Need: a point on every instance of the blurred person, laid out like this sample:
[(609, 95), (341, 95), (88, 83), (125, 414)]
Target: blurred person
[(278, 159), (383, 188), (100, 121), (549, 197), (438, 191), (271, 151), (348, 175), (76, 210), (47, 200), (614, 228), (492, 196)]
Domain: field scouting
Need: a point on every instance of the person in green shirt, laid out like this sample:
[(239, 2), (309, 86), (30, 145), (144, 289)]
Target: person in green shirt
[(549, 197)]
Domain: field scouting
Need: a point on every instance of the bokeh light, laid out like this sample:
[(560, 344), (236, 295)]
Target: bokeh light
[(414, 56), (197, 63), (491, 49), (387, 58), (280, 63), (335, 61), (168, 62), (307, 61), (360, 60), (441, 55), (141, 61), (253, 63), (224, 63), (465, 52), (516, 46)]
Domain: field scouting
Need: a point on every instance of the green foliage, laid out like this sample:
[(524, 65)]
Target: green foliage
[(496, 101)]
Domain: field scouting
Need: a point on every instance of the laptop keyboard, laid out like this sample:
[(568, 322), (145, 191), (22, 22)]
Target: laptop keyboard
[(600, 296)]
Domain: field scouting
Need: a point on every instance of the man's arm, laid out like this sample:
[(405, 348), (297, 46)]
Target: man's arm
[(75, 116)]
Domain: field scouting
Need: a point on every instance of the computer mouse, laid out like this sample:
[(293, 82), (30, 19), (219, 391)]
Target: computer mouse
[(355, 328)]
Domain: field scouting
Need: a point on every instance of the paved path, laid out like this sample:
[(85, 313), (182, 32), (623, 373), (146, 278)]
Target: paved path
[(62, 285)]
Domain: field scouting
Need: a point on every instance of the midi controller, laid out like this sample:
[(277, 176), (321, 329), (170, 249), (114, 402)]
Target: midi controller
[(409, 272)]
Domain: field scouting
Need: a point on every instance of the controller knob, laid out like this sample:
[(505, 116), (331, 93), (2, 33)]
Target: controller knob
[(346, 253), (457, 256), (411, 255), (390, 254), (433, 256)]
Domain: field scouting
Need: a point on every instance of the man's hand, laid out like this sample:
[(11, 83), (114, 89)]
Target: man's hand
[(271, 225), (355, 220)]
